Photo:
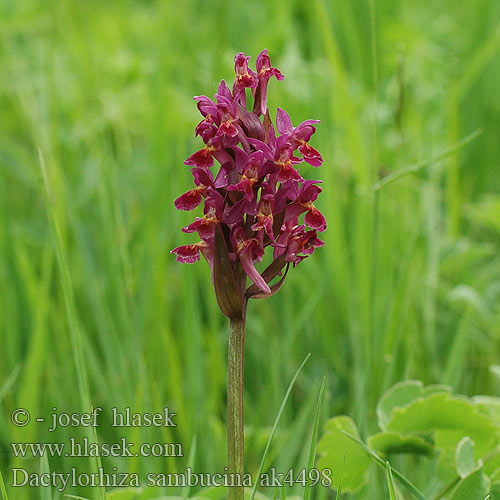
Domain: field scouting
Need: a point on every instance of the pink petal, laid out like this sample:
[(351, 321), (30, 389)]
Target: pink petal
[(223, 90), (202, 158), (315, 219), (202, 176), (293, 210), (309, 192), (283, 122), (235, 213), (262, 61), (288, 172), (204, 226), (262, 146), (189, 200), (222, 179), (263, 96), (311, 155), (205, 105), (187, 254)]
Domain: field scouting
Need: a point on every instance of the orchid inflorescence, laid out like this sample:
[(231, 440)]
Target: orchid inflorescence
[(255, 199)]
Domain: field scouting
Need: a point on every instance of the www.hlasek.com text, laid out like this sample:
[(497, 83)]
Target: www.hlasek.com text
[(87, 448), (73, 479)]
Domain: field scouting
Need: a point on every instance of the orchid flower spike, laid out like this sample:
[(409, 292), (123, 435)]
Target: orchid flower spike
[(255, 200)]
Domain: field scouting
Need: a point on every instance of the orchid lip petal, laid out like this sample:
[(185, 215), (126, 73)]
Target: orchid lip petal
[(189, 200), (202, 158), (188, 254), (315, 219)]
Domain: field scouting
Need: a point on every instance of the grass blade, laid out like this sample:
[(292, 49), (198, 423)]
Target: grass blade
[(314, 437), (3, 491), (190, 465), (273, 430), (390, 482), (10, 381), (402, 479), (45, 492), (70, 306), (339, 491), (410, 169)]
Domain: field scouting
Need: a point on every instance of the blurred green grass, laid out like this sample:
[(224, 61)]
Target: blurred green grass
[(104, 91)]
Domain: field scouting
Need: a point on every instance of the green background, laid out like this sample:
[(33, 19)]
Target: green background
[(406, 286)]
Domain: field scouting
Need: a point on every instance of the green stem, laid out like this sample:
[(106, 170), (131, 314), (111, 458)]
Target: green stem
[(235, 431)]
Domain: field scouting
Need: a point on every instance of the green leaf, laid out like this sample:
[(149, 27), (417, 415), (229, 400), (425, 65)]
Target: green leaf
[(395, 442), (397, 396), (334, 445), (492, 464), (475, 486), (489, 405), (495, 491), (464, 457), (450, 417), (428, 390), (401, 395)]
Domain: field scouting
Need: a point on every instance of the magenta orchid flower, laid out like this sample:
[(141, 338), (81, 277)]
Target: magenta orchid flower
[(256, 203), (256, 198)]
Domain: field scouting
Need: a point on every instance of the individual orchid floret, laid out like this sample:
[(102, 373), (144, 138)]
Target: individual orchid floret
[(300, 241), (245, 77), (264, 71), (189, 254), (284, 159), (205, 226), (264, 218), (206, 107), (250, 176), (228, 118), (191, 199), (257, 202), (304, 202), (299, 136), (202, 158), (249, 250)]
